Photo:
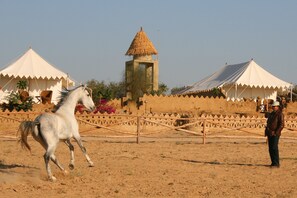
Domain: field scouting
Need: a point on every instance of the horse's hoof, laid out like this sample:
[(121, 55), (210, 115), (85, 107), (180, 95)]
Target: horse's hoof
[(52, 179), (71, 166), (91, 164)]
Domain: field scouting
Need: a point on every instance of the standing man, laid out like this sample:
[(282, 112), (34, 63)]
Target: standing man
[(275, 124)]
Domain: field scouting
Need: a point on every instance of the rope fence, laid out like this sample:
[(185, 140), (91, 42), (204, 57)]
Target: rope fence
[(165, 125)]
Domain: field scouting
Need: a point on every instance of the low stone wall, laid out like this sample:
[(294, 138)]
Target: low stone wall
[(190, 104), (196, 105), (291, 108)]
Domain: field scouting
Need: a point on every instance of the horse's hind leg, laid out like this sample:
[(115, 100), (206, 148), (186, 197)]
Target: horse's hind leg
[(52, 157), (47, 157), (71, 148), (83, 149)]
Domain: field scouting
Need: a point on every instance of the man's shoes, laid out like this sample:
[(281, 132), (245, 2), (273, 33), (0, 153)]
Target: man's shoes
[(274, 166)]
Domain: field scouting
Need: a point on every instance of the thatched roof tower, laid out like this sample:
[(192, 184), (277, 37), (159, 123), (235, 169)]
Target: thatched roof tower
[(141, 74), (141, 46)]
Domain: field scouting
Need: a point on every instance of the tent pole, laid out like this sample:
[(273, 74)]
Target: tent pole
[(242, 92), (7, 83)]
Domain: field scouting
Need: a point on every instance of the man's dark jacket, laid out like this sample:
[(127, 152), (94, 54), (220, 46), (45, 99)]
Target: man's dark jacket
[(275, 123)]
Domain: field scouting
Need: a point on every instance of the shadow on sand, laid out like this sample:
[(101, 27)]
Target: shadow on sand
[(223, 163), (4, 166)]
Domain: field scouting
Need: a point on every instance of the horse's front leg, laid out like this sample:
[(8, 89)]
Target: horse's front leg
[(71, 148), (83, 149)]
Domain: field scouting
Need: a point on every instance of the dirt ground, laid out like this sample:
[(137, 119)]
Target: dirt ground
[(151, 169)]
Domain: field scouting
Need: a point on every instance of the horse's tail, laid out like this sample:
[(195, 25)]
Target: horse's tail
[(26, 128)]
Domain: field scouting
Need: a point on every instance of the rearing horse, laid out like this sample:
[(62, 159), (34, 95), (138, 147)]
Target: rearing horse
[(61, 125)]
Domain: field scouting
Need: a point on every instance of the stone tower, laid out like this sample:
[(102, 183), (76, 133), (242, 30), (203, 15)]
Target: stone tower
[(141, 73)]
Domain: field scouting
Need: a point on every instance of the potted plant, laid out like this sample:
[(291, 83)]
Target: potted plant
[(22, 85)]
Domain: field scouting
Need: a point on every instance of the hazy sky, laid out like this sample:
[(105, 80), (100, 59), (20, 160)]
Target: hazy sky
[(89, 38)]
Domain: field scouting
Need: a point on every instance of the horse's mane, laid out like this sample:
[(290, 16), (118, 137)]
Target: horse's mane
[(64, 94)]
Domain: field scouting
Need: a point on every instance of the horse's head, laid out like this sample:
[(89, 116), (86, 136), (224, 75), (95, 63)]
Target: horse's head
[(86, 98)]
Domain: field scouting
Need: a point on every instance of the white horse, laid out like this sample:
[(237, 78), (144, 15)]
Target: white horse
[(50, 128)]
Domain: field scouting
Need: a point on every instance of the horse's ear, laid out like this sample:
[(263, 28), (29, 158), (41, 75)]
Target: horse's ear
[(64, 88), (84, 86)]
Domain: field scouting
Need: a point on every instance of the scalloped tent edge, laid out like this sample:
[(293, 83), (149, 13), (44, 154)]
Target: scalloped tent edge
[(40, 75)]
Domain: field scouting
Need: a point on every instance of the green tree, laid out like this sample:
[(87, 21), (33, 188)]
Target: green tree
[(140, 84), (175, 90), (137, 85), (107, 91), (162, 89)]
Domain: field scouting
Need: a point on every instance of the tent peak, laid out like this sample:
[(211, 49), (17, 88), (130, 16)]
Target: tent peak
[(32, 65)]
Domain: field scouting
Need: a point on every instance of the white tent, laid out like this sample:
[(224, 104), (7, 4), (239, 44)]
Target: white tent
[(244, 80), (39, 74)]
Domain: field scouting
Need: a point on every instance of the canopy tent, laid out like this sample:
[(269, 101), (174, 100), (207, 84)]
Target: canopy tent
[(39, 74), (244, 80)]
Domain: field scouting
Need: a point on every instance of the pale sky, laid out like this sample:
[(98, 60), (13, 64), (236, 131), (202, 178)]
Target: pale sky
[(89, 38)]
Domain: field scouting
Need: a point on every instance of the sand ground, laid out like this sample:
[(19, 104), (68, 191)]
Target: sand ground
[(151, 169)]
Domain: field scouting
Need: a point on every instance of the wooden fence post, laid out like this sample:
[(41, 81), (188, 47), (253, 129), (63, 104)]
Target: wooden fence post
[(204, 131), (138, 130)]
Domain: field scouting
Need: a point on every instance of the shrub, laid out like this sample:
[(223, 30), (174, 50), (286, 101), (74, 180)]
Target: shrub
[(79, 108), (15, 103), (101, 107)]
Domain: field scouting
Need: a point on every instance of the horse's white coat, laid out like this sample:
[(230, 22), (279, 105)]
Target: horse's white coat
[(50, 128)]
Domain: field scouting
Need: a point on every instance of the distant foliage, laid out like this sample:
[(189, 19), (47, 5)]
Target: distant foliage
[(101, 107), (107, 91), (15, 103), (162, 90), (176, 90), (79, 108)]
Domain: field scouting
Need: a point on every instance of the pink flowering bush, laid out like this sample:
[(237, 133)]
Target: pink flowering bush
[(101, 107), (80, 108)]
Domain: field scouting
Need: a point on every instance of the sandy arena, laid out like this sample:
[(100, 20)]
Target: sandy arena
[(152, 169)]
